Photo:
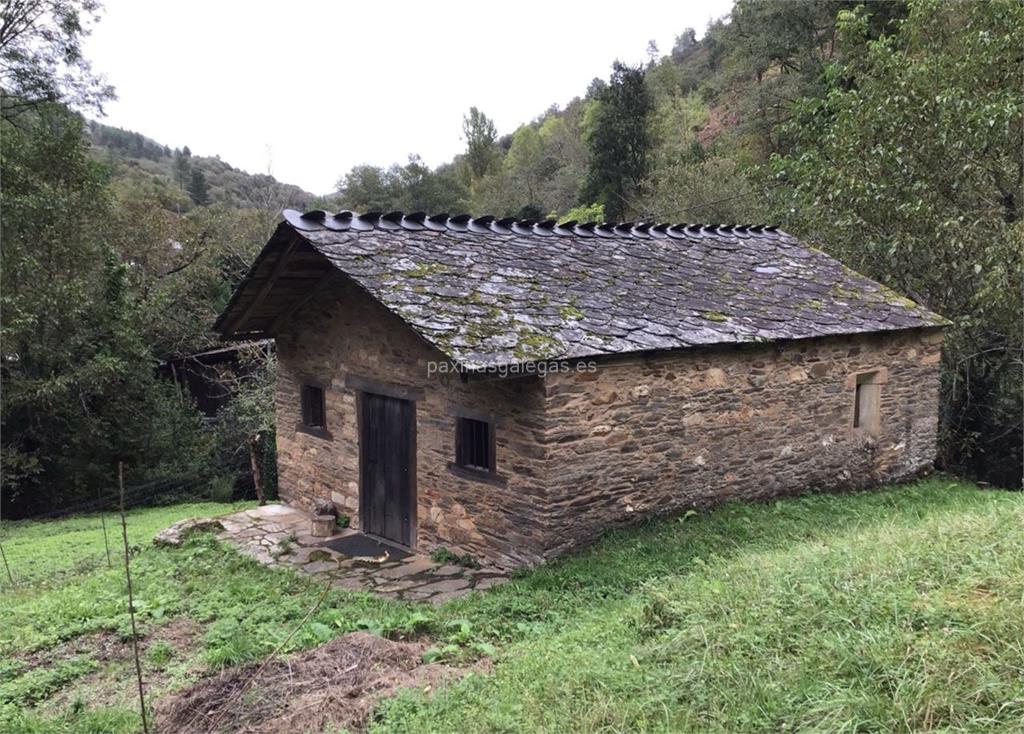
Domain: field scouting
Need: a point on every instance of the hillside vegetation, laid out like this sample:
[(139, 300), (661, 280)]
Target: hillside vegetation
[(886, 133), (891, 610), (181, 181)]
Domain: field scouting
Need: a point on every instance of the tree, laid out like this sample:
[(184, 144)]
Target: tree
[(696, 189), (41, 56), (618, 141), (80, 390), (652, 52), (434, 191), (685, 44), (369, 188), (409, 188), (783, 47), (584, 213), (247, 423), (480, 134), (182, 167), (565, 156), (910, 168), (527, 165), (197, 188)]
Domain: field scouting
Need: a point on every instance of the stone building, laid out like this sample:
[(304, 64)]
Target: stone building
[(510, 389)]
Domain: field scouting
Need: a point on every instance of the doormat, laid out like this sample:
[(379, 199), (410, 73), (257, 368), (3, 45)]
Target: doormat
[(364, 548)]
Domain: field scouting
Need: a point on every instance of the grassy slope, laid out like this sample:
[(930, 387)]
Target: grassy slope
[(893, 610)]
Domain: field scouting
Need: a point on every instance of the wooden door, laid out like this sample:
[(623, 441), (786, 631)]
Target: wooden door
[(386, 465)]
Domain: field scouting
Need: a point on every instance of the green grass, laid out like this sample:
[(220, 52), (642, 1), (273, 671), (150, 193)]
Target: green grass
[(245, 610), (47, 551), (895, 610)]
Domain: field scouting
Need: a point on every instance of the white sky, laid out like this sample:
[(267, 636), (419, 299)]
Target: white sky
[(309, 89)]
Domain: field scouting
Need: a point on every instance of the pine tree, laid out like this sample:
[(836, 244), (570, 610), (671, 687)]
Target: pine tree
[(182, 166), (480, 136), (197, 188), (618, 140)]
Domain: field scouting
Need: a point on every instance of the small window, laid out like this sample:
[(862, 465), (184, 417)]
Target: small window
[(866, 414), (313, 410), (474, 444)]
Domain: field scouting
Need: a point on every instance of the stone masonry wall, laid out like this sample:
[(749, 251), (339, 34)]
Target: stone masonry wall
[(691, 429), (578, 452), (345, 333)]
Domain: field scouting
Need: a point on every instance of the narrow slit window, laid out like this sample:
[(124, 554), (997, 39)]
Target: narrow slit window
[(866, 412), (313, 409), (474, 444)]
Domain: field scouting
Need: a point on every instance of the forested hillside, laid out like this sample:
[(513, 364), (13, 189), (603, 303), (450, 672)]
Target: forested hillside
[(887, 133), (681, 137), (118, 253), (181, 181)]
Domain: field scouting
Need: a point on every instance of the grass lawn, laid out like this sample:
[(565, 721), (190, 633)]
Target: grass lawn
[(46, 551), (894, 610)]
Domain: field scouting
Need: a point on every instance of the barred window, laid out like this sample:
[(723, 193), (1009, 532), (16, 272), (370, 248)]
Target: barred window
[(313, 408), (474, 444)]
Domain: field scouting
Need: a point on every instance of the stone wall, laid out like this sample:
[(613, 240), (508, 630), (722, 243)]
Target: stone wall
[(346, 334), (691, 429), (578, 452)]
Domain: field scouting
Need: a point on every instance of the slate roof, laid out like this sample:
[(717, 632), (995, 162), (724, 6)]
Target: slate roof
[(491, 293)]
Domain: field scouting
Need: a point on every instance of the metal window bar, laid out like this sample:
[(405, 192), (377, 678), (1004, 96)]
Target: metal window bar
[(473, 447), (313, 406)]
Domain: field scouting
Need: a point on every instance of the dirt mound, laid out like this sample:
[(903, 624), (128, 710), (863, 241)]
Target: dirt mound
[(335, 684)]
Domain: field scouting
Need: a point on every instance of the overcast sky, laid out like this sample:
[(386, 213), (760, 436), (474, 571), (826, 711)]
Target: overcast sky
[(309, 89)]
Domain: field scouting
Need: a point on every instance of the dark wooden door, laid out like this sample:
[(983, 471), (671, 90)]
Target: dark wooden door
[(386, 452)]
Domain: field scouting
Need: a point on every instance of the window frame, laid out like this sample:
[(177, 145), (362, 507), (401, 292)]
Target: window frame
[(867, 386), (473, 473), (464, 422), (305, 408)]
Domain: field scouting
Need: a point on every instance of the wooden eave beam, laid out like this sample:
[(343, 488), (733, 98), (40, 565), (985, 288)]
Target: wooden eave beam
[(268, 284), (300, 302)]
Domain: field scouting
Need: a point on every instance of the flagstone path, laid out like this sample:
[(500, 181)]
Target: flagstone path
[(280, 535)]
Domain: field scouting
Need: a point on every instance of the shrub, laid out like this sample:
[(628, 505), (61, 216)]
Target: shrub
[(160, 653), (222, 488), (445, 555)]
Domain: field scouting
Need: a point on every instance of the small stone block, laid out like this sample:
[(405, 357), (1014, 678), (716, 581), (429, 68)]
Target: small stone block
[(323, 526)]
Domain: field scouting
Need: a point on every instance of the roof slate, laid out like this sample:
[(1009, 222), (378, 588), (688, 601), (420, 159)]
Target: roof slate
[(490, 293)]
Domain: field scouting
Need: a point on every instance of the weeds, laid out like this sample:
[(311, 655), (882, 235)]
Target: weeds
[(39, 683), (445, 555), (160, 653)]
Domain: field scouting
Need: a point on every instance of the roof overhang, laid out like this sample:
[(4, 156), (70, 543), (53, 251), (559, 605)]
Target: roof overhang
[(287, 274)]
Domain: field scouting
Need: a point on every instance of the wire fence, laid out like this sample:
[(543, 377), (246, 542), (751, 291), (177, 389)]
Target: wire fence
[(39, 551), (89, 529)]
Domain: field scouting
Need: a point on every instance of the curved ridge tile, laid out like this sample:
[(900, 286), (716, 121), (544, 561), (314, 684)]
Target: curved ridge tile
[(299, 220), (458, 223), (390, 221), (436, 223), (338, 223), (414, 222)]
